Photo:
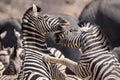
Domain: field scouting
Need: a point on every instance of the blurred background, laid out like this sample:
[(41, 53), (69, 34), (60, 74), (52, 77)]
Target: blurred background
[(16, 8), (12, 9)]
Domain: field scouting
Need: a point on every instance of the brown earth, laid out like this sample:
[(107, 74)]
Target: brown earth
[(16, 8)]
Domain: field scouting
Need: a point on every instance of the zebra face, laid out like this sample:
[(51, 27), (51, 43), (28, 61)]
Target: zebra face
[(68, 38), (72, 37), (43, 23), (55, 23), (5, 56)]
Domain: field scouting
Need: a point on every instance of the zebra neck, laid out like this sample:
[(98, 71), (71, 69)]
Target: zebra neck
[(35, 42), (90, 43)]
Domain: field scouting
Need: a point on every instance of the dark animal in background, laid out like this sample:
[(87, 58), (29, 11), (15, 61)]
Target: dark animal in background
[(8, 26), (106, 14)]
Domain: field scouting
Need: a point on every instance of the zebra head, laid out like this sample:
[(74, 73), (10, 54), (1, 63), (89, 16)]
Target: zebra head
[(72, 37), (43, 23), (5, 55), (55, 23), (67, 38)]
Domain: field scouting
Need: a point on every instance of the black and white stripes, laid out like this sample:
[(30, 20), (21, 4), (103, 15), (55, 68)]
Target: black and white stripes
[(34, 28), (96, 62)]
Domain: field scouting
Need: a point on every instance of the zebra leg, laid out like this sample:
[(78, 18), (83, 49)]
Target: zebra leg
[(56, 73), (58, 54), (67, 62)]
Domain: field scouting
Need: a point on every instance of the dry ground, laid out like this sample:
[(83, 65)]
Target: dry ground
[(16, 8)]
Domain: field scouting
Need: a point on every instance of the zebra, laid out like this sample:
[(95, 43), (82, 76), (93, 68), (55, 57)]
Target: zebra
[(61, 67), (20, 51), (19, 58), (34, 29), (96, 62), (54, 51), (5, 59), (6, 77), (7, 68)]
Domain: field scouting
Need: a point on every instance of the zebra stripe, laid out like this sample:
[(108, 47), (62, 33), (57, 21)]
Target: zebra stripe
[(34, 29), (72, 77), (54, 51), (9, 68), (5, 57), (5, 61), (96, 62), (8, 77), (61, 67), (58, 54)]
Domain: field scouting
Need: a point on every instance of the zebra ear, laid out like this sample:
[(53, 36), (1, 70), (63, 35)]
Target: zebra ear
[(35, 10), (2, 35), (17, 34)]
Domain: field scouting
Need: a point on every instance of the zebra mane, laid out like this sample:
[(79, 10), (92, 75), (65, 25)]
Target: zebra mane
[(86, 27)]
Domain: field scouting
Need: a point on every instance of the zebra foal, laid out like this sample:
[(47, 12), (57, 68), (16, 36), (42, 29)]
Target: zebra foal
[(96, 62)]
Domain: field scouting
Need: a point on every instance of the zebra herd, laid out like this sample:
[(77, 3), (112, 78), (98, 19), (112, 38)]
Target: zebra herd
[(39, 62)]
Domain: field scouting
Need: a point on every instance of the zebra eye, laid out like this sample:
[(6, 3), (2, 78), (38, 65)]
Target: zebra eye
[(70, 30), (73, 30)]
